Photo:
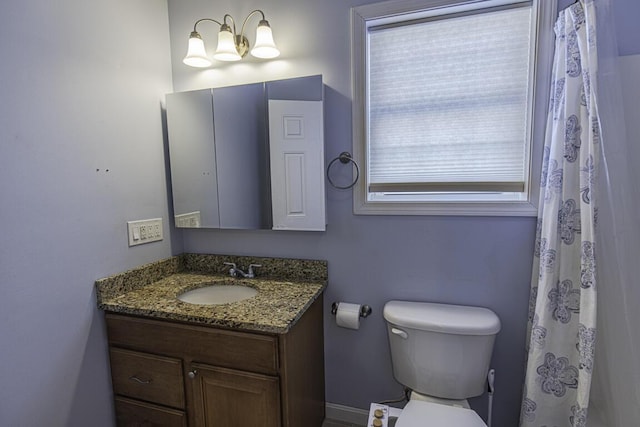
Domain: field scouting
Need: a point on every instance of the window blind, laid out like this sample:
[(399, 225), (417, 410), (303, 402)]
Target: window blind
[(448, 103)]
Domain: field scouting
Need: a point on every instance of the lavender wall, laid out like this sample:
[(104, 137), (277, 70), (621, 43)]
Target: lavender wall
[(476, 261), (81, 85), (80, 89), (626, 14)]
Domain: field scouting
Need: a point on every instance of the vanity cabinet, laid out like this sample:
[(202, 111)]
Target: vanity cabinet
[(166, 373)]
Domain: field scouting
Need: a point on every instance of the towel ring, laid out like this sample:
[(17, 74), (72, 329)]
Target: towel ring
[(344, 157)]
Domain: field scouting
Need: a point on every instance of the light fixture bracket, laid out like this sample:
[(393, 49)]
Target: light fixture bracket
[(242, 45)]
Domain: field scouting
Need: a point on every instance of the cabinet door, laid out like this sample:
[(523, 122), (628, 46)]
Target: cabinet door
[(242, 154), (296, 138), (193, 159), (230, 398)]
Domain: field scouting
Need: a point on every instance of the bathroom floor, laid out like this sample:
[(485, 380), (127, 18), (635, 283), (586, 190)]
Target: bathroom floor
[(332, 423)]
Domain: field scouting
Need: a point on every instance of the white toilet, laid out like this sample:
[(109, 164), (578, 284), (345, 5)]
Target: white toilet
[(442, 353)]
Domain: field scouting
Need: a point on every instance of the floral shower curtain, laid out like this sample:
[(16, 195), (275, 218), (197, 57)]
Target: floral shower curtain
[(562, 314)]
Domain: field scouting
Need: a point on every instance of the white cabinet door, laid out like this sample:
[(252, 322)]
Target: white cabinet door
[(296, 138)]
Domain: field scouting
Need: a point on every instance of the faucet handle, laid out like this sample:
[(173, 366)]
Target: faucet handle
[(233, 269), (251, 267)]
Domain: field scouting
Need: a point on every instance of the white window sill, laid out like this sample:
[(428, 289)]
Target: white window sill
[(527, 209)]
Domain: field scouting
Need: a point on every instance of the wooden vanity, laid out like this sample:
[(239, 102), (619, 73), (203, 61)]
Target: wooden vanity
[(169, 372)]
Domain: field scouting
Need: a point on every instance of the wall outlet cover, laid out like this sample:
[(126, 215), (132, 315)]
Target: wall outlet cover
[(144, 231)]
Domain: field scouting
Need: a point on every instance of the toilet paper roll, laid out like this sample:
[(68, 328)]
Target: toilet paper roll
[(348, 315)]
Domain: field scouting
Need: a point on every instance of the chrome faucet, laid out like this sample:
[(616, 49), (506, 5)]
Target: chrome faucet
[(234, 271)]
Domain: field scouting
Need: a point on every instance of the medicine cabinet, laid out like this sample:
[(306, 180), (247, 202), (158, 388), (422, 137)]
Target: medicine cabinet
[(248, 156)]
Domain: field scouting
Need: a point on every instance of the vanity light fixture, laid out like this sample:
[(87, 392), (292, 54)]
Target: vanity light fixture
[(231, 45)]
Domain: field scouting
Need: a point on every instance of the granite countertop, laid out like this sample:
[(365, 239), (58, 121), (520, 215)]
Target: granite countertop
[(152, 290)]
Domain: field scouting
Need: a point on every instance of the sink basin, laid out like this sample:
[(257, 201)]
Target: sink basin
[(218, 294)]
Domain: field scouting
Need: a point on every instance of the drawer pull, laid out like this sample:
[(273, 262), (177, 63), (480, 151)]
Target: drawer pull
[(192, 374), (139, 381)]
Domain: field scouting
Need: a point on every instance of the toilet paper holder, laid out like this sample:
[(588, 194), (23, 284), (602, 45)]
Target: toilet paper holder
[(365, 310)]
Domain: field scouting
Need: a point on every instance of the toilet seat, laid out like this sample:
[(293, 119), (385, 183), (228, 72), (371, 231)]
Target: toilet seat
[(427, 414)]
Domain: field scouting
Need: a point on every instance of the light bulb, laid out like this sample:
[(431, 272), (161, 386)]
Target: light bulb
[(196, 53), (265, 47), (226, 50)]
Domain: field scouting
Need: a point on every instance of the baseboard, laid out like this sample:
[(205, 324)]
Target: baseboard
[(347, 414)]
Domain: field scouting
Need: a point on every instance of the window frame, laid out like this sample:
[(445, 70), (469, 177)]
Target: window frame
[(542, 65)]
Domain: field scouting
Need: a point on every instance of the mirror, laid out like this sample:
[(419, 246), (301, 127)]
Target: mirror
[(219, 152)]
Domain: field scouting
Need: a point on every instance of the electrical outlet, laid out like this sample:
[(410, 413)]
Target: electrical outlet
[(144, 231), (188, 220)]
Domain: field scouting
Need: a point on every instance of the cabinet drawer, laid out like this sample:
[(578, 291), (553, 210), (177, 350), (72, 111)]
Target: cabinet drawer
[(230, 349), (131, 413), (148, 377)]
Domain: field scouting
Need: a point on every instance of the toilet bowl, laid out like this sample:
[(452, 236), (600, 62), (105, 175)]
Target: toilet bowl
[(458, 403), (418, 413)]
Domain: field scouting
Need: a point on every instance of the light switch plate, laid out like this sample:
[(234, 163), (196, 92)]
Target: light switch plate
[(144, 231)]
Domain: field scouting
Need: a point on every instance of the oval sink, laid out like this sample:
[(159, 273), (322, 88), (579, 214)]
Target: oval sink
[(218, 294)]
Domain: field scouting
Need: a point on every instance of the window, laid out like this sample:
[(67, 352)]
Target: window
[(444, 115)]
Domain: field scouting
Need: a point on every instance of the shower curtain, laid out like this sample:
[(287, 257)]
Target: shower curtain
[(615, 391), (562, 318)]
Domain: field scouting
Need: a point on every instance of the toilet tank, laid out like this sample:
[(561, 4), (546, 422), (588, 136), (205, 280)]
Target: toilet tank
[(441, 350)]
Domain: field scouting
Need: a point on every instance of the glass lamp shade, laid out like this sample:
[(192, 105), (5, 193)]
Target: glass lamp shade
[(196, 54), (226, 50), (265, 47)]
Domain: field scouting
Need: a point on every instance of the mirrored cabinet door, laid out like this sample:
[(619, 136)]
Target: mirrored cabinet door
[(192, 157), (242, 154)]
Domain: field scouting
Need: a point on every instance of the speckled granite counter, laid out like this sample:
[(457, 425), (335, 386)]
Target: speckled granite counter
[(286, 288)]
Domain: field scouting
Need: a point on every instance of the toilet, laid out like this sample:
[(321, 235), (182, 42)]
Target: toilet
[(442, 353)]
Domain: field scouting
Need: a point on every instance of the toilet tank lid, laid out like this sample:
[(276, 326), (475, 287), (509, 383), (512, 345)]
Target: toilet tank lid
[(446, 318)]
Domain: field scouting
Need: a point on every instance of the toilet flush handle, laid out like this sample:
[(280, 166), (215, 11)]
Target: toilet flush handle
[(400, 333)]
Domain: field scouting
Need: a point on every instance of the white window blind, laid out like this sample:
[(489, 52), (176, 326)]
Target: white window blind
[(448, 107)]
